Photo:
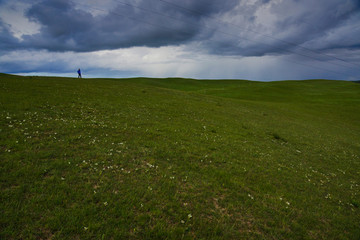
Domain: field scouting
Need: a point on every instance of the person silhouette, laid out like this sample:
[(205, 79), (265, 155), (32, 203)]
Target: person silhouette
[(79, 73)]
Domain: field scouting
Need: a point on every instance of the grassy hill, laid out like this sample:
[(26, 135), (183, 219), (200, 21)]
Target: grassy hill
[(179, 159)]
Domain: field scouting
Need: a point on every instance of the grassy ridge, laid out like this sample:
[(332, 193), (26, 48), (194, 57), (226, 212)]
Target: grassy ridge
[(179, 158)]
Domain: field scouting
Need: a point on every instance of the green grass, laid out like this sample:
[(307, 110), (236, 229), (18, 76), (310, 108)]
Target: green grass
[(178, 159)]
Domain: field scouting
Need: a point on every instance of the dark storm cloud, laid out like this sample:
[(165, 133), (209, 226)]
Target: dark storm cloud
[(317, 19), (149, 23), (293, 23), (257, 28), (7, 40)]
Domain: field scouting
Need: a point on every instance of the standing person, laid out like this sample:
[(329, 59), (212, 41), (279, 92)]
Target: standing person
[(79, 73)]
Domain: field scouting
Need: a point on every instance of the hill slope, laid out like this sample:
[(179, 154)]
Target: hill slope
[(179, 158)]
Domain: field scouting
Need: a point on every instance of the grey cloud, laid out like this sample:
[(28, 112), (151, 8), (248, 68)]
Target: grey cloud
[(296, 23), (7, 41), (69, 26), (314, 20), (65, 28), (25, 67)]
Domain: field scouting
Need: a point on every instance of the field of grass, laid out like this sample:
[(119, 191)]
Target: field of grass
[(178, 159)]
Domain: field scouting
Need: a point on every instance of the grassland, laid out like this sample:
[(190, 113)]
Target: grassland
[(179, 159)]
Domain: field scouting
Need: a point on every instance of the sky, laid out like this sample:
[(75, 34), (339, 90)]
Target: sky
[(263, 40)]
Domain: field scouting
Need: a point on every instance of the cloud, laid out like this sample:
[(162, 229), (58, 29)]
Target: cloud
[(258, 28), (203, 38), (65, 27), (170, 61), (7, 41), (242, 28)]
